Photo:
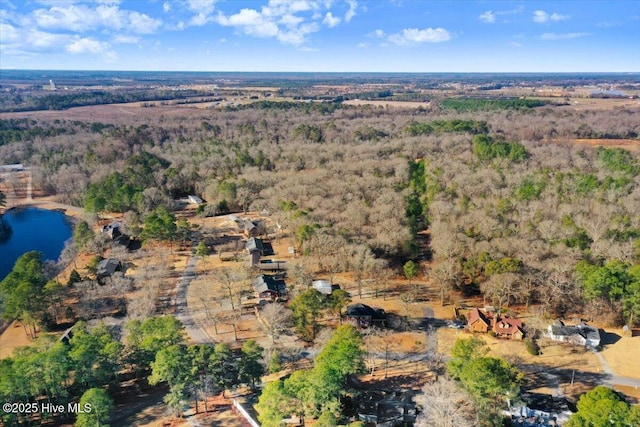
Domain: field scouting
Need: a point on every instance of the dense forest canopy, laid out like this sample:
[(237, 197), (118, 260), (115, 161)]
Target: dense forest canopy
[(497, 199), (513, 215)]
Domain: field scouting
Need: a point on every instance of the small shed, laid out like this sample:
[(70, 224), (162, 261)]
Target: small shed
[(322, 286)]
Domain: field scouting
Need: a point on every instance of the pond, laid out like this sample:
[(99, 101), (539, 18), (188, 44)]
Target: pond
[(32, 229)]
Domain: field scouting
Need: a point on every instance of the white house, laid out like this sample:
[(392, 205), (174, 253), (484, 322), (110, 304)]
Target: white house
[(580, 334)]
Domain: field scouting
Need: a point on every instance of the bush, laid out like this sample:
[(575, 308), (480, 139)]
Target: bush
[(74, 277), (532, 346)]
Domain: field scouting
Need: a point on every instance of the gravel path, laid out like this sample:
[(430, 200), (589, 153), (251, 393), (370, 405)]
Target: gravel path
[(196, 333)]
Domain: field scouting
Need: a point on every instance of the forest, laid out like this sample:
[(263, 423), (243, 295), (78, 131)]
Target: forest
[(517, 214)]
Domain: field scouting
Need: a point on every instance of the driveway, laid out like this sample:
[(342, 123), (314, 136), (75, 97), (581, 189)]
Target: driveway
[(196, 333)]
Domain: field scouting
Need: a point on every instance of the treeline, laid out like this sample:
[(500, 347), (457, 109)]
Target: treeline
[(306, 106), (415, 128), (63, 101), (16, 130), (480, 104)]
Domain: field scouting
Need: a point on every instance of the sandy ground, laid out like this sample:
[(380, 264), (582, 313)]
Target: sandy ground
[(14, 336)]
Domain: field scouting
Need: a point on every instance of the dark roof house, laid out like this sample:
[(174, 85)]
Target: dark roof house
[(254, 244), (107, 267), (363, 316), (269, 287)]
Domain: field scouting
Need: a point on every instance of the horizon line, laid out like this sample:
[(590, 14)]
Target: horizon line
[(319, 72)]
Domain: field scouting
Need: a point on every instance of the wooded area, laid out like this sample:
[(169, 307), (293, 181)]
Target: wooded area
[(516, 214)]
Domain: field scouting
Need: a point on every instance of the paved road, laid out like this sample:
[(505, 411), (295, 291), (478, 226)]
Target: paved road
[(197, 334), (612, 379)]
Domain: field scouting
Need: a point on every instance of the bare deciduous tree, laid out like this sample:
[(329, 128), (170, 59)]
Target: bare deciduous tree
[(445, 404)]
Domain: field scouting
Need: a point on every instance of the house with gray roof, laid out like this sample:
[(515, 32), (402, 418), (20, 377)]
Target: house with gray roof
[(580, 334)]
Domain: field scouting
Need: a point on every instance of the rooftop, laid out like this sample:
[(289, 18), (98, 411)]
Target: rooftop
[(582, 329)]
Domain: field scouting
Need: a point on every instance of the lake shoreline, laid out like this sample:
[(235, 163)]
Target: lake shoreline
[(51, 205), (34, 228)]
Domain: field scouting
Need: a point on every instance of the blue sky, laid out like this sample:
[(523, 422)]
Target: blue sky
[(321, 35)]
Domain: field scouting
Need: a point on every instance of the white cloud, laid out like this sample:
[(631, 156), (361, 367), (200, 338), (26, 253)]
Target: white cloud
[(564, 36), (353, 5), (487, 17), (87, 45), (330, 20), (203, 10), (557, 17), (290, 22), (166, 6), (199, 20), (205, 7), (377, 33), (412, 36), (74, 18), (41, 40), (81, 18), (140, 23), (542, 17), (363, 45), (9, 33)]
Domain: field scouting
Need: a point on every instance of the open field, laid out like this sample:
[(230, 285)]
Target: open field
[(620, 355)]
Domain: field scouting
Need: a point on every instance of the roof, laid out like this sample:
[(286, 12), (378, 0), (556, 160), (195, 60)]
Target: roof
[(363, 310), (582, 329), (322, 286), (264, 283), (254, 244), (111, 226), (15, 167), (475, 315), (108, 266), (507, 325)]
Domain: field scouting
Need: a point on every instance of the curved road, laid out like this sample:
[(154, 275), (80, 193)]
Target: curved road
[(613, 379), (197, 334)]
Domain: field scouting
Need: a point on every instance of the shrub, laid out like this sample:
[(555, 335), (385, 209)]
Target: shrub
[(532, 346)]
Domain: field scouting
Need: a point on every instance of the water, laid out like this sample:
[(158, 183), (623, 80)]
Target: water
[(32, 230)]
